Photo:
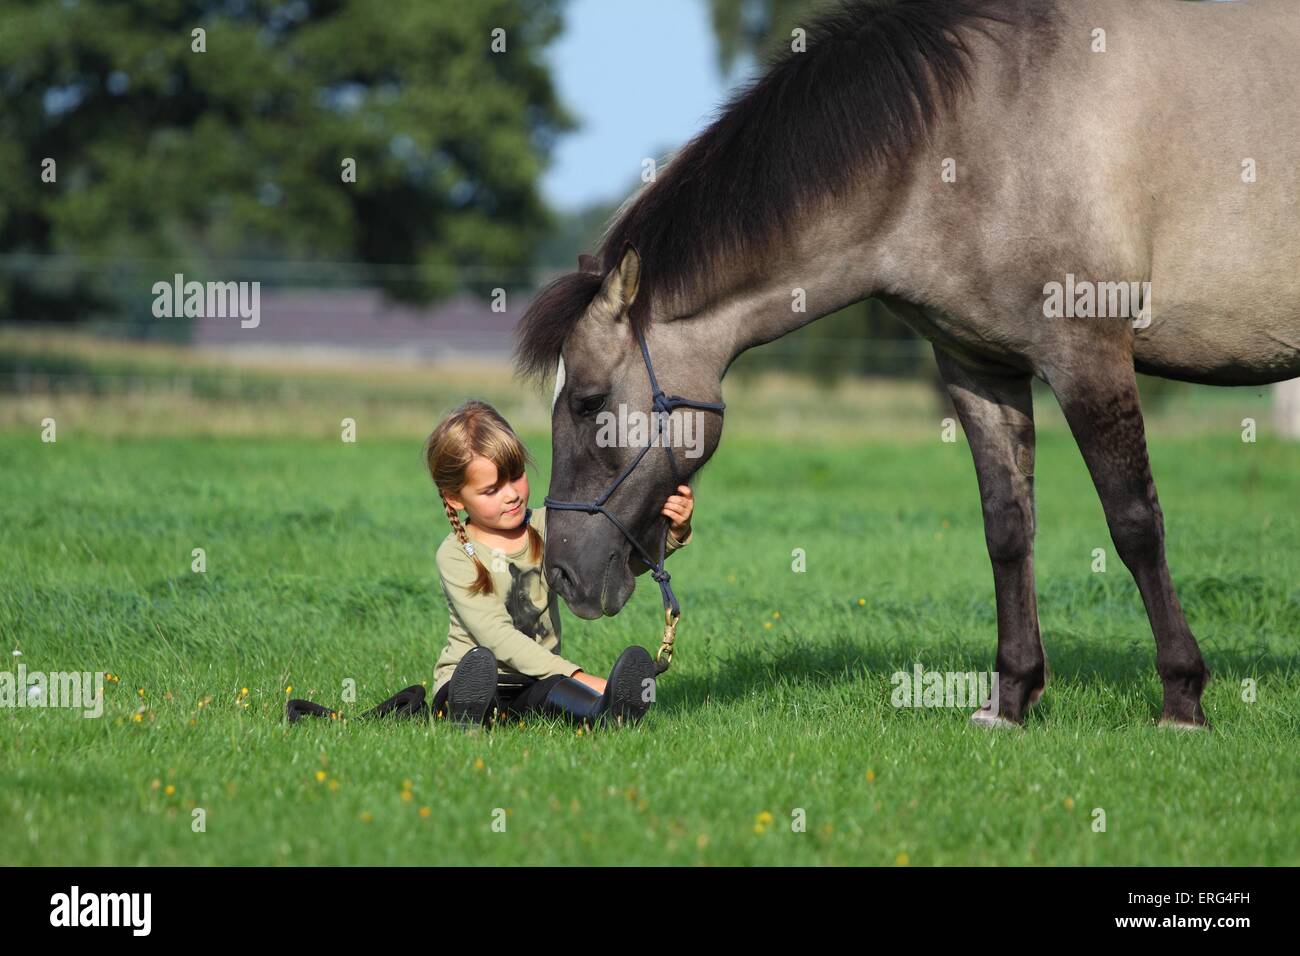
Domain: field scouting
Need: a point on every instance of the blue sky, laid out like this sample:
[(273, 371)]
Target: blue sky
[(641, 78)]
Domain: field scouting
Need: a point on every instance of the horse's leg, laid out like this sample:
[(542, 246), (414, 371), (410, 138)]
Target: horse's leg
[(997, 413), (1097, 389)]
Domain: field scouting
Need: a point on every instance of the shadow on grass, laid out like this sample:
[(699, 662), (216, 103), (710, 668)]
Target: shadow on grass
[(1088, 663)]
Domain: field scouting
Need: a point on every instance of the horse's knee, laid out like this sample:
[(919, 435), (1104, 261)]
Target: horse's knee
[(1137, 528), (1008, 529)]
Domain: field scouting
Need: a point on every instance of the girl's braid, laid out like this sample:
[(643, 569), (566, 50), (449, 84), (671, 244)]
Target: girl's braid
[(483, 582)]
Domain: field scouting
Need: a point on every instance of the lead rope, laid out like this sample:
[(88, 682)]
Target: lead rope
[(672, 610)]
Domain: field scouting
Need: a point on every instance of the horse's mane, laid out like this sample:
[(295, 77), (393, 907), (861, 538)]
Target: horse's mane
[(873, 79)]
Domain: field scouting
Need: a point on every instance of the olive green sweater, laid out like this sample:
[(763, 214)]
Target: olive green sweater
[(519, 623)]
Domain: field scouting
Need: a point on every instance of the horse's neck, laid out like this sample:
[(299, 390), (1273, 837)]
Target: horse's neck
[(837, 258)]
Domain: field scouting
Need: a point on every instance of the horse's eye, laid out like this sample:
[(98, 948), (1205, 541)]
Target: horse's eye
[(590, 404)]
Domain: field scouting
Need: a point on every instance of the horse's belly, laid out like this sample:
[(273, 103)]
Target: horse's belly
[(1219, 348)]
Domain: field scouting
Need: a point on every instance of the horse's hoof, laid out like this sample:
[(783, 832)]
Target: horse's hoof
[(984, 718), (1182, 725)]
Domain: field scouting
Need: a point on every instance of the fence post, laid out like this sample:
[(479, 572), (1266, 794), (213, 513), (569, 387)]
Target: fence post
[(1286, 406)]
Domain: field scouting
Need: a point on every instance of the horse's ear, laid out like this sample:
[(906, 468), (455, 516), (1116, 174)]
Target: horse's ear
[(630, 269), (588, 263), (618, 291)]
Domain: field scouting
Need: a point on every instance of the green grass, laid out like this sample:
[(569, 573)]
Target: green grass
[(320, 569)]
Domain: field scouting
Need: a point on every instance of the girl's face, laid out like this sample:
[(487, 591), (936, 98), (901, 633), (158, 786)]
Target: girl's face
[(492, 502)]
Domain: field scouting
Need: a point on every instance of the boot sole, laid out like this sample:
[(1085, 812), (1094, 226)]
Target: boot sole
[(473, 687), (626, 683)]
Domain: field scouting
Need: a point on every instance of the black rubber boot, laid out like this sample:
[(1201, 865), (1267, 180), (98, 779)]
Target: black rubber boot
[(405, 703), (298, 708), (472, 691), (629, 692), (630, 681), (574, 700)]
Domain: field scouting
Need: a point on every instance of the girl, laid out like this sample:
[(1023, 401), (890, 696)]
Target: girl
[(503, 646)]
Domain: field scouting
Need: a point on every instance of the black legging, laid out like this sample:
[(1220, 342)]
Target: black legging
[(513, 698)]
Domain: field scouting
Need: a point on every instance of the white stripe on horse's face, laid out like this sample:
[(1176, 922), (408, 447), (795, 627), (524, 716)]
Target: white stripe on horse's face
[(559, 383)]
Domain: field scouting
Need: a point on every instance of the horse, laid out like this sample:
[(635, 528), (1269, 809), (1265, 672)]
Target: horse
[(964, 161)]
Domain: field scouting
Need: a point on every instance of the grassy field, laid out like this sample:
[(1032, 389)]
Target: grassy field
[(320, 570)]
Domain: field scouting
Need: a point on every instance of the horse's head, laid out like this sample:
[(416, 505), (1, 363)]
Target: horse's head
[(601, 419)]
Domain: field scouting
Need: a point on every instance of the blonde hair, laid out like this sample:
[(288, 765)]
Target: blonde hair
[(474, 429)]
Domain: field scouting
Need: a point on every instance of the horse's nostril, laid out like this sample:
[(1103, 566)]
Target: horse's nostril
[(560, 581)]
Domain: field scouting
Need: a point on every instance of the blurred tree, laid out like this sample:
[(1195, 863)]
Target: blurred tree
[(582, 230), (176, 156), (747, 29), (575, 232)]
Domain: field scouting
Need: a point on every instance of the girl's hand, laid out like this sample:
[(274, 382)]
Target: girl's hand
[(678, 508), (595, 683)]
